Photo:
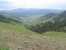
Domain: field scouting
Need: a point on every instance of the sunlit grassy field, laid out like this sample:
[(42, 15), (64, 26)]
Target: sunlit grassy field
[(12, 27), (16, 37)]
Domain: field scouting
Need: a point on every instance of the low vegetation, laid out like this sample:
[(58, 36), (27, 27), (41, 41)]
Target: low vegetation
[(17, 36)]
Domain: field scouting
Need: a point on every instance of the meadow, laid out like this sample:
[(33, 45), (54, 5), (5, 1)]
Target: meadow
[(17, 37)]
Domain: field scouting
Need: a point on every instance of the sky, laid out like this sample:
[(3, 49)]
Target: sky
[(42, 4)]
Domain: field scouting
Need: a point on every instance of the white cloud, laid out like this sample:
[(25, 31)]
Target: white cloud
[(37, 3)]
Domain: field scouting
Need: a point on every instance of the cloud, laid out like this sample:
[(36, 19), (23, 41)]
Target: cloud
[(52, 4), (59, 4), (5, 4)]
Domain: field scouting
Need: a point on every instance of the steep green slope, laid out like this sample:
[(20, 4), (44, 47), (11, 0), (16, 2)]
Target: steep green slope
[(12, 27)]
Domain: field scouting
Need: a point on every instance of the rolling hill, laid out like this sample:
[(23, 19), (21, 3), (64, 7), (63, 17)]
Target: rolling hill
[(15, 36)]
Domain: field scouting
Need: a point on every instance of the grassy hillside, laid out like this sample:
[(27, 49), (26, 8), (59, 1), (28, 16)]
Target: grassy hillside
[(16, 36), (16, 27)]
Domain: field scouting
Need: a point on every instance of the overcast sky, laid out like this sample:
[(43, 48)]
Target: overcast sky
[(49, 4)]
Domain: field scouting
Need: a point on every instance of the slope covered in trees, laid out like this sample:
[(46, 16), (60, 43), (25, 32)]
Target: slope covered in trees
[(57, 23)]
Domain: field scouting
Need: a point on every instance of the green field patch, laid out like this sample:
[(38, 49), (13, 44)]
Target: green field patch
[(4, 48)]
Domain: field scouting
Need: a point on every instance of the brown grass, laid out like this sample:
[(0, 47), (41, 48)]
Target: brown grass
[(30, 41)]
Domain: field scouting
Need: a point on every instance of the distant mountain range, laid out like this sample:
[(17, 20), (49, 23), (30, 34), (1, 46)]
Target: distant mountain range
[(31, 15), (29, 12)]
